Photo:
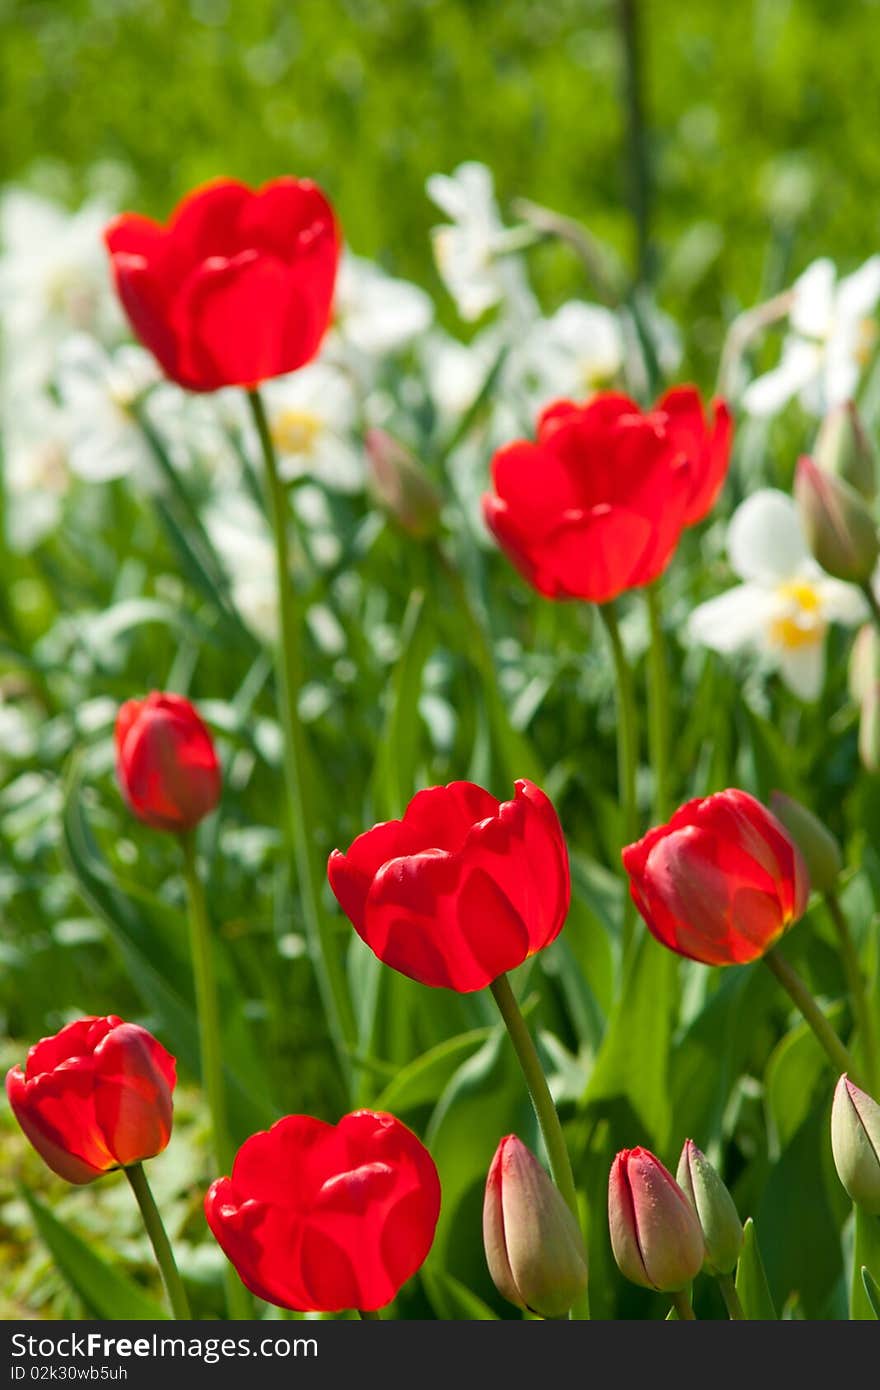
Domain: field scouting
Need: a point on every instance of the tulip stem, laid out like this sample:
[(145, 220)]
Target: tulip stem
[(326, 963), (681, 1302), (871, 599), (658, 705), (548, 1119), (856, 983), (731, 1298), (627, 752), (797, 989), (367, 1316), (159, 1241), (208, 1012)]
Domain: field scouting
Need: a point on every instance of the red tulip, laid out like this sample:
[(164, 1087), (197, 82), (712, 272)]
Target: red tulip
[(655, 1232), (597, 505), (707, 449), (721, 881), (166, 762), (237, 288), (462, 888), (95, 1096), (321, 1217)]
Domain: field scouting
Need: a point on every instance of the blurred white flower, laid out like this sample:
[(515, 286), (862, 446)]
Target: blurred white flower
[(98, 392), (375, 313), (456, 371), (54, 280), (575, 352), (36, 473), (786, 602), (312, 415), (240, 536), (473, 251), (833, 334)]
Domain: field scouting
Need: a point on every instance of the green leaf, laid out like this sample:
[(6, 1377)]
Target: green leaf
[(451, 1300), (422, 1082), (103, 1289), (751, 1279), (866, 1267), (872, 1291)]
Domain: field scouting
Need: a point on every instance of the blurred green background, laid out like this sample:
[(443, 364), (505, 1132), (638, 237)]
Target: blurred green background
[(761, 113)]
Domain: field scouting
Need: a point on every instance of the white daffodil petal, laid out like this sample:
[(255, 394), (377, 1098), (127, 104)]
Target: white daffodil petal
[(803, 668), (800, 363), (765, 541), (812, 311), (857, 294), (733, 620), (841, 603)]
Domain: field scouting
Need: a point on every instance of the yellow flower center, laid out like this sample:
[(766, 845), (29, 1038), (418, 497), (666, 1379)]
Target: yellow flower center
[(802, 624), (295, 431)]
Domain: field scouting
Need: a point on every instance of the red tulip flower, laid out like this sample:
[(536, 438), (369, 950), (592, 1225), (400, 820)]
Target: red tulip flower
[(95, 1096), (597, 504), (320, 1217), (462, 888), (721, 882), (237, 288), (655, 1232), (166, 762)]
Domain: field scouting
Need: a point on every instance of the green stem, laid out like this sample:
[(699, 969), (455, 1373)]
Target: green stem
[(327, 964), (858, 993), (159, 1241), (731, 1298), (797, 989), (551, 1129), (367, 1316), (872, 603), (658, 706), (866, 1254), (627, 752), (210, 1052), (681, 1302)]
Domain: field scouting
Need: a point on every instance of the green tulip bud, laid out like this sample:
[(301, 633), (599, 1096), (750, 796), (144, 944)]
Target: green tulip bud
[(533, 1245), (718, 1217), (401, 486), (844, 450), (839, 528), (855, 1143), (821, 851)]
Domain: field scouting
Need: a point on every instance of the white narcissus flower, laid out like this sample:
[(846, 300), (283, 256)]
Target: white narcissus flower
[(239, 534), (36, 472), (375, 313), (98, 393), (833, 333), (575, 352), (53, 281), (786, 602), (312, 415), (471, 250)]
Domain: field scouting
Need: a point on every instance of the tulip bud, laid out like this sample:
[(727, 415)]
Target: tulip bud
[(401, 486), (844, 450), (855, 1143), (864, 662), (533, 1245), (820, 850), (166, 762), (655, 1232), (869, 728), (838, 526), (718, 1217)]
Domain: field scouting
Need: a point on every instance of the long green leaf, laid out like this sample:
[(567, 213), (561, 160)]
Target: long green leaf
[(751, 1279), (105, 1291), (872, 1291), (451, 1300)]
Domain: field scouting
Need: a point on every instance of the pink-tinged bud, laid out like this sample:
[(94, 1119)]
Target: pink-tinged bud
[(838, 526), (717, 1215), (855, 1143), (533, 1246), (655, 1233), (843, 449), (401, 486), (820, 850)]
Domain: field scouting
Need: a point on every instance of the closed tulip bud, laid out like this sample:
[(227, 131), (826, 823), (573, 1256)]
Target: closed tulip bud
[(864, 662), (843, 449), (820, 850), (533, 1245), (869, 728), (96, 1096), (401, 486), (166, 762), (855, 1143), (655, 1232), (718, 1217), (838, 526)]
